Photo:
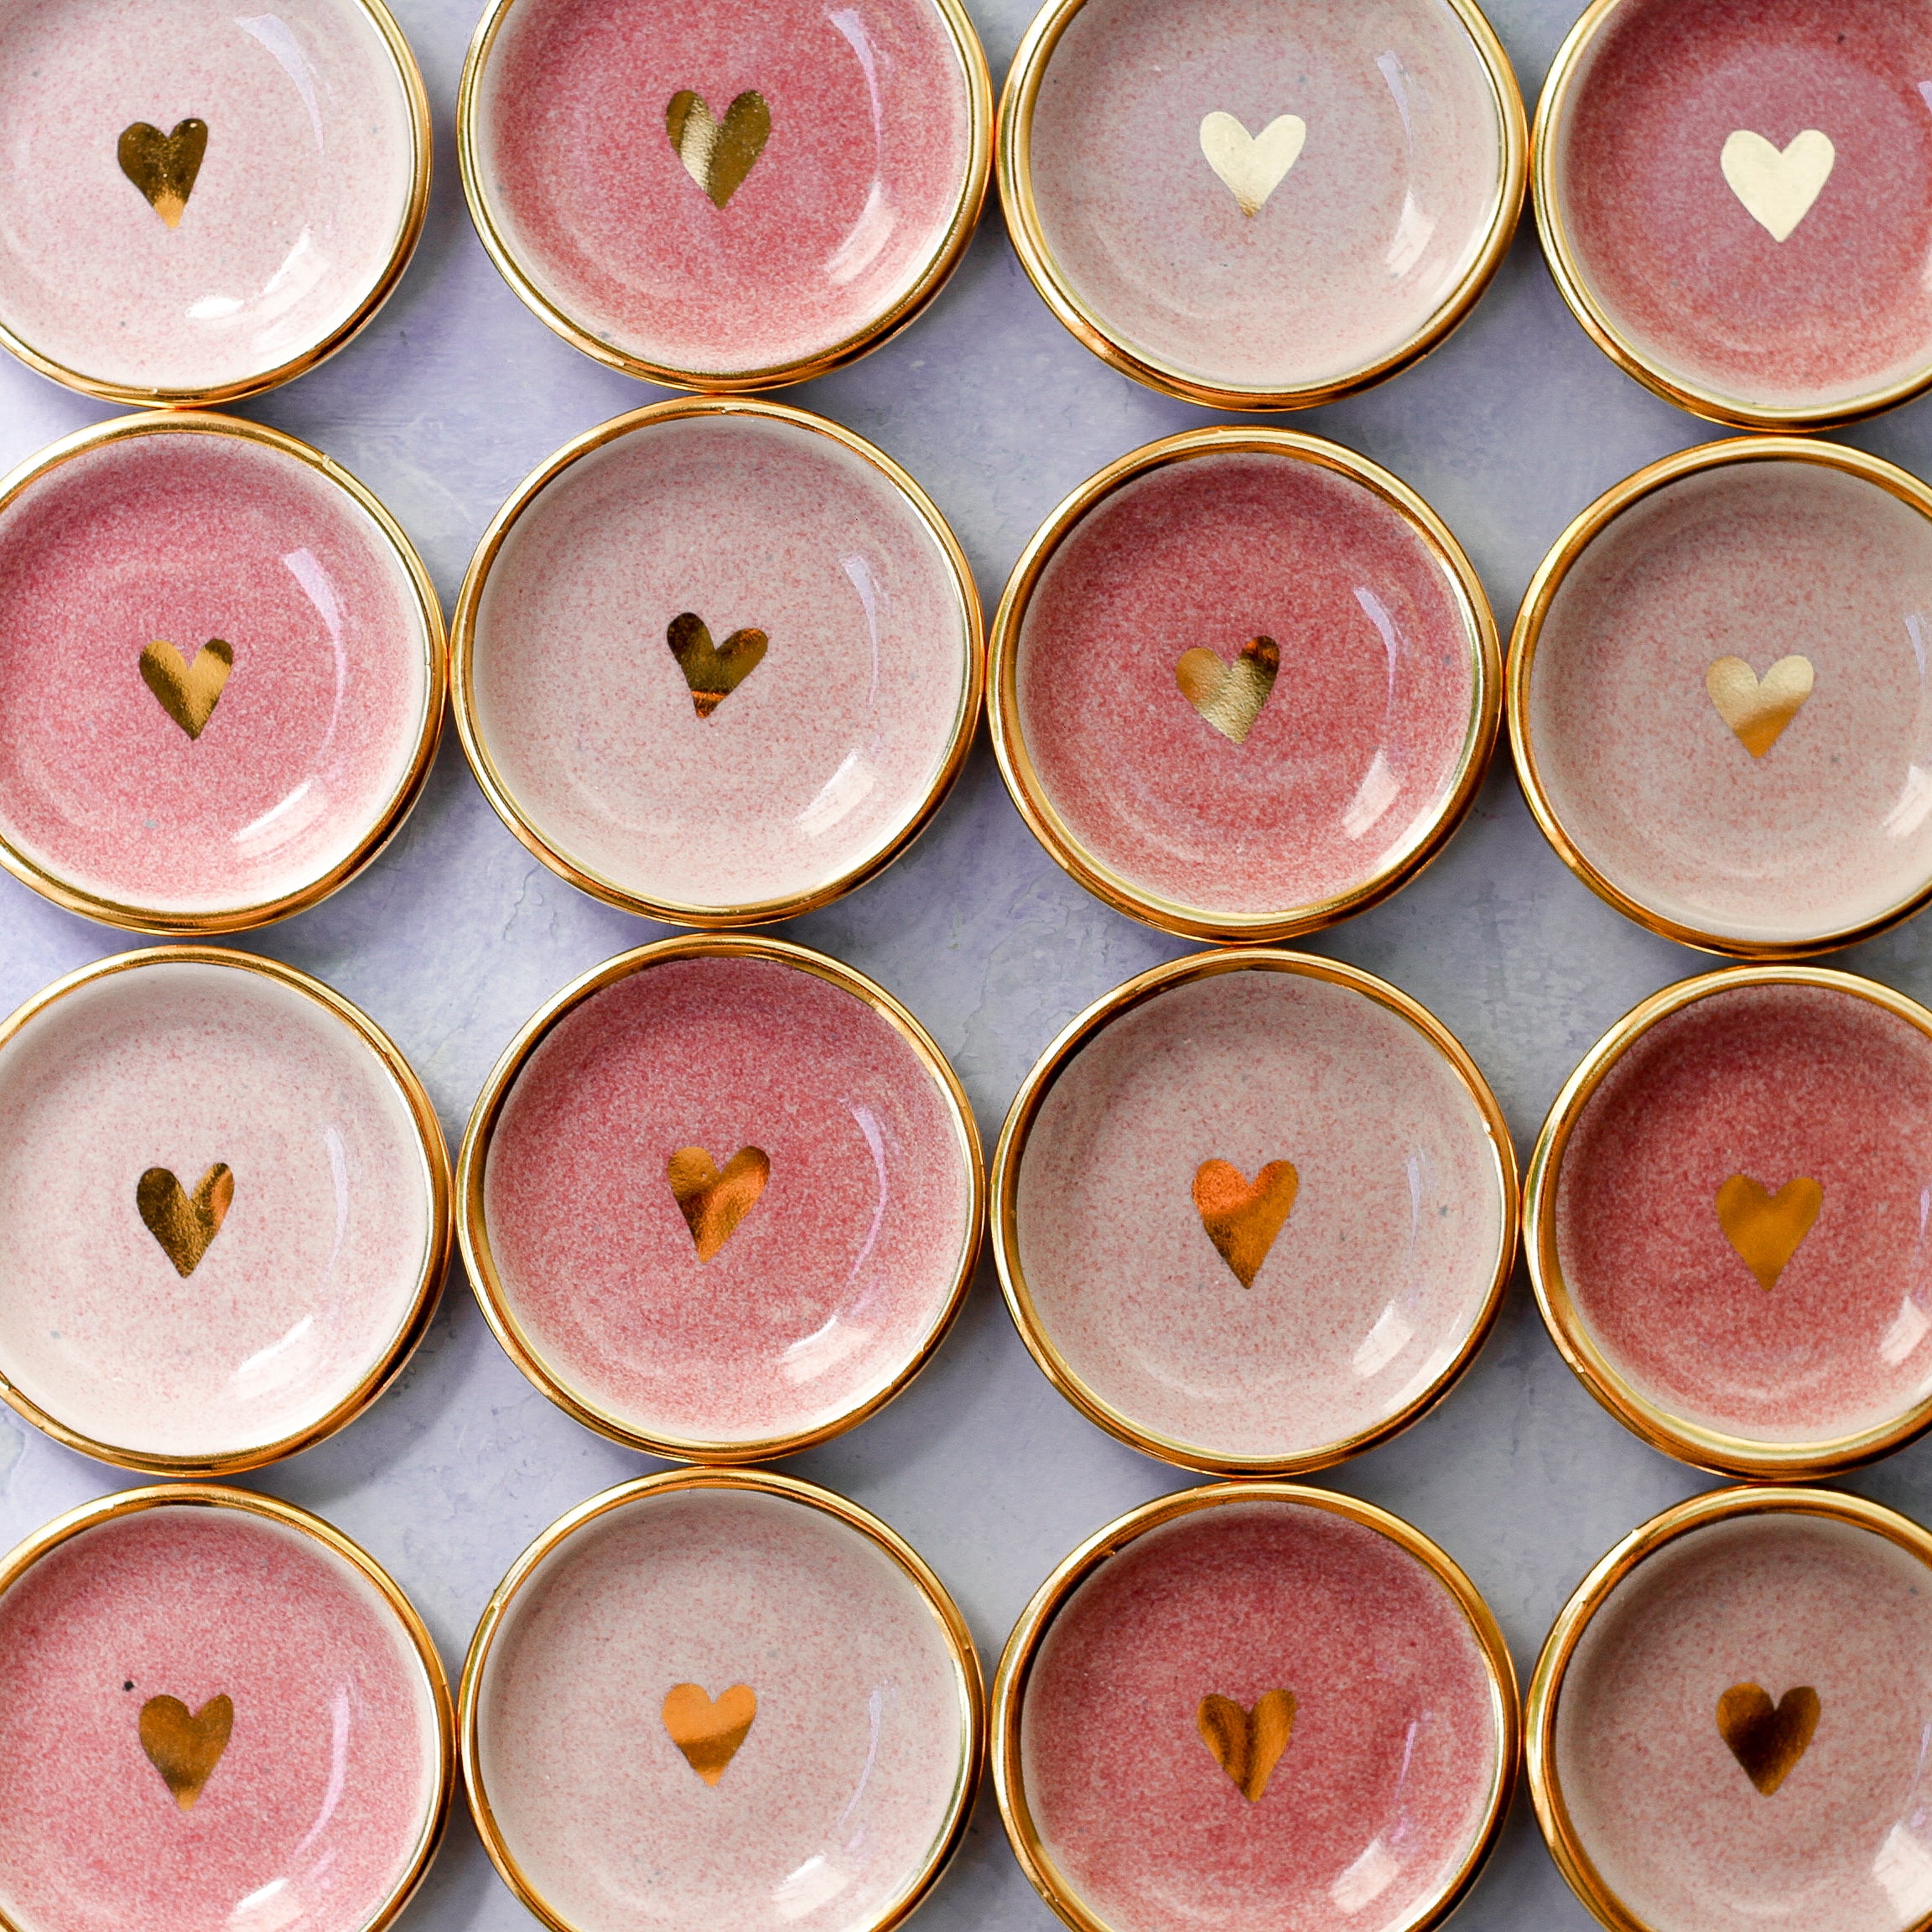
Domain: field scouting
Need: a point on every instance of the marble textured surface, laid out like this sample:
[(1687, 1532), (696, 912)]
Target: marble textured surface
[(455, 935)]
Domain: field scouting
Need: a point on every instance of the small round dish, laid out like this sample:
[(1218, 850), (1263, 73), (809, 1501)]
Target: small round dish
[(717, 661), (721, 1698), (1726, 1729), (199, 205), (1251, 1705), (224, 1203), (1261, 204), (1255, 1213), (1132, 694), (1726, 1220), (1718, 701), (725, 199), (721, 1198), (221, 674), (229, 1706), (1736, 201)]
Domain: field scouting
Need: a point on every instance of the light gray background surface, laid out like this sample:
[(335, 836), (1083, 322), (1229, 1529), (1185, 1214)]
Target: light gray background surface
[(455, 935)]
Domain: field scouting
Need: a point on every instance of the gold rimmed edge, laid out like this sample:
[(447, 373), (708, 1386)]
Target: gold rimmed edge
[(944, 258), (503, 799), (1540, 597), (22, 1558), (408, 789), (1016, 1660), (472, 1222), (1017, 198), (934, 1593), (1711, 1450), (208, 396), (1010, 1152), (1540, 1707), (1425, 838), (437, 1249), (1573, 284)]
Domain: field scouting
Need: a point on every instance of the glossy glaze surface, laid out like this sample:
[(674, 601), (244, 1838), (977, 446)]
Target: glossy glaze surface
[(840, 1790), (301, 197), (314, 1272)]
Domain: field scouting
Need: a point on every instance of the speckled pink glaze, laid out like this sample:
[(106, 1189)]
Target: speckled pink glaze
[(825, 752), (314, 1275), (843, 210), (845, 1783), (1371, 1288), (835, 1279), (1667, 1814), (1383, 1790), (1842, 306), (1351, 758), (1832, 827), (181, 537), (294, 215), (313, 1812), (1366, 239), (1772, 1081)]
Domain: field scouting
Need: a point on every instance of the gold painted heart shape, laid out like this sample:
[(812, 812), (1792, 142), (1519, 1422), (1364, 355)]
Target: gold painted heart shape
[(1777, 186), (707, 1730), (1767, 1739), (1759, 709), (1242, 1217), (1767, 1229), (713, 1202), (1248, 1744), (717, 154), (188, 692), (164, 166), (184, 1224), (712, 671), (1229, 696), (184, 1746), (1252, 166)]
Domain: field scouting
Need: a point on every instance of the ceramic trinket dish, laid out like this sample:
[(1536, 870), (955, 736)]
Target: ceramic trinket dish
[(721, 1698)]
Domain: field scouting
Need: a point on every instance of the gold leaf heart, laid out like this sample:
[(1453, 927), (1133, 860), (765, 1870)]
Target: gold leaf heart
[(188, 692), (185, 1748), (1758, 709), (184, 1225), (1241, 1219), (712, 674), (1248, 1745), (1229, 696), (1766, 1229), (708, 1733), (1252, 166), (1767, 1739), (164, 166), (718, 156), (714, 1204), (1778, 189)]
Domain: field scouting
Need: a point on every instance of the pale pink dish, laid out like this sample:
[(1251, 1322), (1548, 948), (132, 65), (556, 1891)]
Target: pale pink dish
[(196, 204), (313, 1805), (220, 677)]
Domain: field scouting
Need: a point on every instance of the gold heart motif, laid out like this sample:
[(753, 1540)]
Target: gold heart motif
[(185, 1748), (718, 155), (714, 1204), (708, 1731), (1778, 189), (1229, 696), (164, 166), (1767, 1229), (1252, 166), (713, 673), (1248, 1745), (184, 1224), (188, 692), (1241, 1219), (1766, 1738), (1758, 709)]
